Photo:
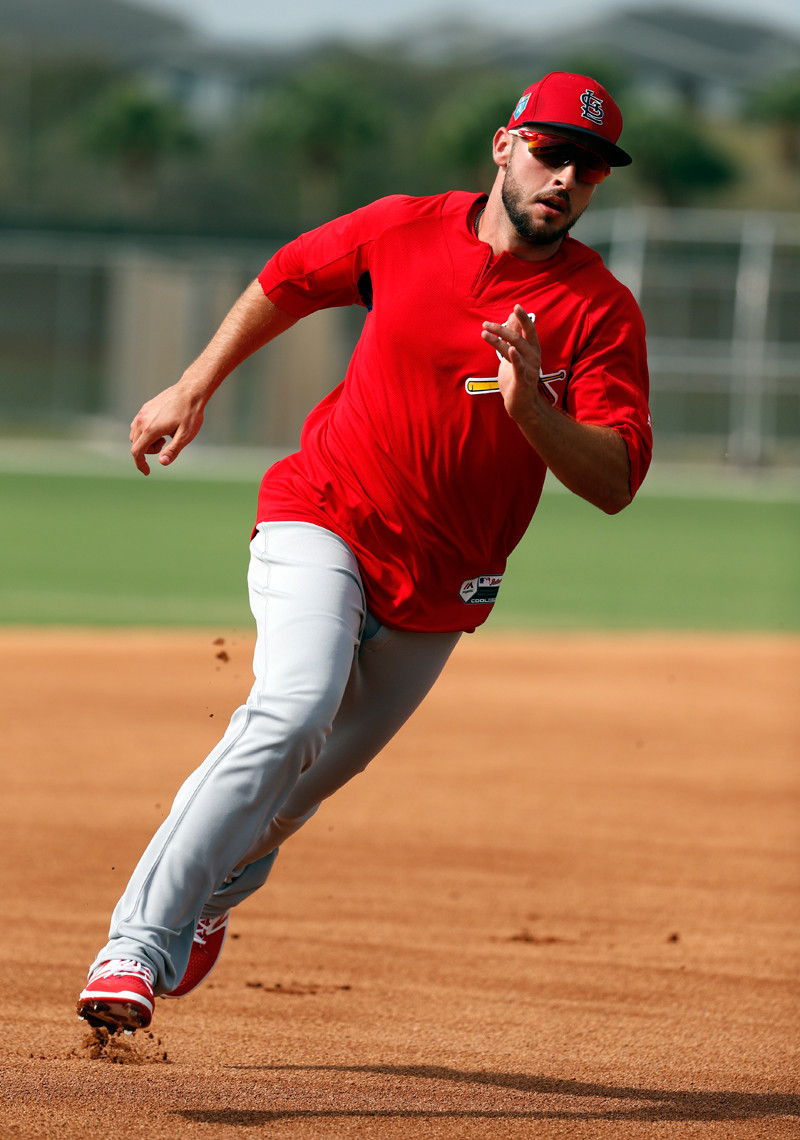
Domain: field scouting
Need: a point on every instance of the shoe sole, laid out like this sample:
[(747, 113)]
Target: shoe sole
[(115, 1012)]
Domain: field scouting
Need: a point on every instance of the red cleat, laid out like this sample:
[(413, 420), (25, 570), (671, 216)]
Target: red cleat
[(118, 995), (209, 938)]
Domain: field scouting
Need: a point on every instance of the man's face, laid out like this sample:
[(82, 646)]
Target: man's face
[(542, 202)]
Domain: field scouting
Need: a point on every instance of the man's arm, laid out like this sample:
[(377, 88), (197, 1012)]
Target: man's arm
[(589, 459), (177, 412)]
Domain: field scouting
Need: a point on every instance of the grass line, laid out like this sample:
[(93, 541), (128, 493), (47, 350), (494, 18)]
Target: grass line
[(87, 550)]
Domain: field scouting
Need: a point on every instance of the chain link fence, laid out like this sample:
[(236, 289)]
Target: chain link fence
[(91, 327), (720, 292)]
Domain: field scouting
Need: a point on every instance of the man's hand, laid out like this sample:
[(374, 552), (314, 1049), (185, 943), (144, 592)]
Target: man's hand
[(589, 459), (517, 345), (174, 414), (177, 413)]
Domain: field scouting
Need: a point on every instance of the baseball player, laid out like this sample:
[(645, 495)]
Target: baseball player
[(495, 346)]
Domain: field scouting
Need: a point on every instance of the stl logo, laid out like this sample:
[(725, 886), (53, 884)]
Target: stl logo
[(592, 107)]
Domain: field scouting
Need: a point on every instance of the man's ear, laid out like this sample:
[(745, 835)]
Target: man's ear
[(502, 145)]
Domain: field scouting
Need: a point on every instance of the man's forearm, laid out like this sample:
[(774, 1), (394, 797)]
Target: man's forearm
[(252, 322), (177, 412), (590, 460)]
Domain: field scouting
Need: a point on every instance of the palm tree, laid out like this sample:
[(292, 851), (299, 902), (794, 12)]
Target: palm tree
[(322, 120), (135, 129), (674, 158), (459, 138)]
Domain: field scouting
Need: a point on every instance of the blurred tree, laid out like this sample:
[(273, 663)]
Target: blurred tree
[(324, 121), (674, 158), (459, 136), (64, 86), (136, 129), (81, 143), (778, 103), (39, 91), (615, 76)]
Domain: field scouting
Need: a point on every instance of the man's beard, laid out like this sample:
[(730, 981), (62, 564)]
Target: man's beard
[(529, 229)]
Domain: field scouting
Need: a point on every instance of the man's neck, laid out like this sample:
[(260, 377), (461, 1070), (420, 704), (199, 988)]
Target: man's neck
[(493, 226)]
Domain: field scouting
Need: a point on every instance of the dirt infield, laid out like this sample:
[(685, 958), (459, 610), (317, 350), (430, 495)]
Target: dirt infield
[(564, 903)]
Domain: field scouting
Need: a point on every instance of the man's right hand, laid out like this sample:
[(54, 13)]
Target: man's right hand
[(174, 414), (177, 413)]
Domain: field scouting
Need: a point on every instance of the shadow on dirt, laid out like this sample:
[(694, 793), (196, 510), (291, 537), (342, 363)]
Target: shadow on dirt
[(649, 1105)]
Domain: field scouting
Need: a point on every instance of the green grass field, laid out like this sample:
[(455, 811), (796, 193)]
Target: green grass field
[(85, 550)]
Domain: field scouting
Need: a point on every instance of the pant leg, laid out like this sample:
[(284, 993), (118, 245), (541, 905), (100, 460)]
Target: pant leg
[(307, 599), (391, 675)]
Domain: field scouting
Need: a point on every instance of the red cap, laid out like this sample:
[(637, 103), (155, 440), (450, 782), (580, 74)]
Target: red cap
[(578, 108)]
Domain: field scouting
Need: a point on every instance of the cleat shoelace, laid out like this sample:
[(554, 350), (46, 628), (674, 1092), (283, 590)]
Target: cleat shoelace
[(206, 927), (123, 968)]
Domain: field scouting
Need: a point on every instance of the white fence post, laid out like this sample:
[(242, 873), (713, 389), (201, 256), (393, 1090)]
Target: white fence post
[(747, 444)]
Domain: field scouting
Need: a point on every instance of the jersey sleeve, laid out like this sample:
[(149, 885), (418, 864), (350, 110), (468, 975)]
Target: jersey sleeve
[(324, 268), (609, 383)]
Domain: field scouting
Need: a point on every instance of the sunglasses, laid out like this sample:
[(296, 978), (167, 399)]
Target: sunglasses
[(556, 152)]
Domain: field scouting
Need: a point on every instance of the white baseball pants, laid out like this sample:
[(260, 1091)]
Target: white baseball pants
[(332, 687)]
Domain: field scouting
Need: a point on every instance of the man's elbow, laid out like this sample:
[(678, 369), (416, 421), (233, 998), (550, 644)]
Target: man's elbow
[(618, 494), (617, 501)]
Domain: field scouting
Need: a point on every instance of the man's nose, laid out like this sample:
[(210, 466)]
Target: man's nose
[(567, 176)]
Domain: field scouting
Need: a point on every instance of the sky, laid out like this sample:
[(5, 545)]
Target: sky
[(292, 23)]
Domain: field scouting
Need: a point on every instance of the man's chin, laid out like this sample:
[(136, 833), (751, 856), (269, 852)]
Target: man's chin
[(543, 231)]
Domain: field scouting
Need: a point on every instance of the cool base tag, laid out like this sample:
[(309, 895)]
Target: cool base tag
[(481, 591)]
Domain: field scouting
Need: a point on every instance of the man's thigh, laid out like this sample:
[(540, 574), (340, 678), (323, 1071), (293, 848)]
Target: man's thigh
[(392, 673)]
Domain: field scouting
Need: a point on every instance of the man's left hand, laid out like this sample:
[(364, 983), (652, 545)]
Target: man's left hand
[(517, 345)]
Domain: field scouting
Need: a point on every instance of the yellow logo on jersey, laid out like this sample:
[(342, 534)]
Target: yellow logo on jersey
[(479, 385), (475, 385)]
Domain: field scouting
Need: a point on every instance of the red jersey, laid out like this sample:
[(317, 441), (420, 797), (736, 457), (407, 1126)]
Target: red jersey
[(412, 459)]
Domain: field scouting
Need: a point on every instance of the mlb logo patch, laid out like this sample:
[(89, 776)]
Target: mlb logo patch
[(481, 591)]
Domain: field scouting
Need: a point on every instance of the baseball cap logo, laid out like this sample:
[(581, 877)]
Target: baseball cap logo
[(520, 107), (562, 100), (592, 107)]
